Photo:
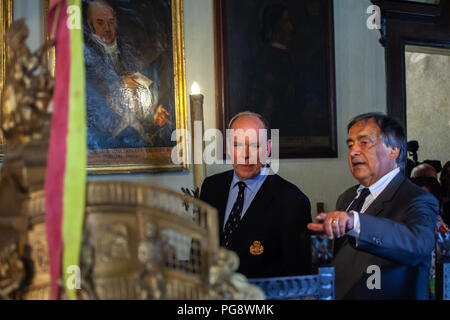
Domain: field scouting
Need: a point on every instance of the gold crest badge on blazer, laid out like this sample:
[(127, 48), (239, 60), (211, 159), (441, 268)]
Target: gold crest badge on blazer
[(256, 248)]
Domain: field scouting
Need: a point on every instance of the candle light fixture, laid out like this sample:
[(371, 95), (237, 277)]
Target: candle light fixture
[(197, 129)]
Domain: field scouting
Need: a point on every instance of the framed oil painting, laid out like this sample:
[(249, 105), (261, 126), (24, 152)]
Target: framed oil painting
[(135, 84), (277, 58)]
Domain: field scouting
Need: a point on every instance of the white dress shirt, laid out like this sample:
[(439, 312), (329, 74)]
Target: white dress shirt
[(252, 187), (375, 191)]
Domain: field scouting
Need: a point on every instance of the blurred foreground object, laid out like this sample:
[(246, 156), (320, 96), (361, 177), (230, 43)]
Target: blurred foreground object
[(25, 122), (442, 261), (146, 242), (322, 251), (28, 88), (320, 286)]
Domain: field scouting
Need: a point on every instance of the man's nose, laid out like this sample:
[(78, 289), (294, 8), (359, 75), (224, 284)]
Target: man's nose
[(246, 151), (354, 151), (108, 27)]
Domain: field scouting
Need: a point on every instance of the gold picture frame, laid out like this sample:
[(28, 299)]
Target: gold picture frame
[(6, 18), (147, 159), (51, 54), (128, 160)]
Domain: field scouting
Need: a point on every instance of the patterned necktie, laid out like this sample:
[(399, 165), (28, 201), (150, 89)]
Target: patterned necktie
[(235, 215), (358, 203)]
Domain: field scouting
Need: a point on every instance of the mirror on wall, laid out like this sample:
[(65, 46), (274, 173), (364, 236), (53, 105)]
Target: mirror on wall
[(427, 78)]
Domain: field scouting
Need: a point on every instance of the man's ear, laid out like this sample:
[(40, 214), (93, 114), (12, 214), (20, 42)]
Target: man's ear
[(269, 147), (394, 153)]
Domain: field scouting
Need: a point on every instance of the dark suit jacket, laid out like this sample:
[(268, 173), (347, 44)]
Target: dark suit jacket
[(277, 217), (397, 234)]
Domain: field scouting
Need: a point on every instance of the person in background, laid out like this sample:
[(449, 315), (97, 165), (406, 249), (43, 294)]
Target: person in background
[(430, 184), (424, 170)]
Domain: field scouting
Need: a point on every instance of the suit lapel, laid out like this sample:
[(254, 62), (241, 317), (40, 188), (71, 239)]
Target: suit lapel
[(223, 198), (386, 196), (374, 209), (347, 198)]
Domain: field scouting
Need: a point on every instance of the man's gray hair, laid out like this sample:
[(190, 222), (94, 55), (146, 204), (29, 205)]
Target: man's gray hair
[(391, 132), (251, 114), (97, 3)]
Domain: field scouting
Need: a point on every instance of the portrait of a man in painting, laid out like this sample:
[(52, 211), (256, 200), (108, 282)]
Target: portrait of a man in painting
[(129, 74), (277, 59)]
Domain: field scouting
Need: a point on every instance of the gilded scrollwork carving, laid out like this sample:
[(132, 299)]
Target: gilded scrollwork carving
[(24, 121), (39, 249), (114, 243), (150, 253), (87, 266), (226, 284), (12, 272), (28, 87)]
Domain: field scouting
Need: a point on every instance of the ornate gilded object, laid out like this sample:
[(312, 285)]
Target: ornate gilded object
[(226, 284), (28, 88), (12, 272), (146, 242), (141, 243), (25, 125)]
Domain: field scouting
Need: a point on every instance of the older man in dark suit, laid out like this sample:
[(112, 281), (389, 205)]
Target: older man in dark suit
[(262, 217), (384, 227)]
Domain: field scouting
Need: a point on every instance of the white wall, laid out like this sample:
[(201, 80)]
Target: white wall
[(360, 87)]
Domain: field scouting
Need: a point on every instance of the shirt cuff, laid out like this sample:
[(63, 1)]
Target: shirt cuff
[(356, 226)]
